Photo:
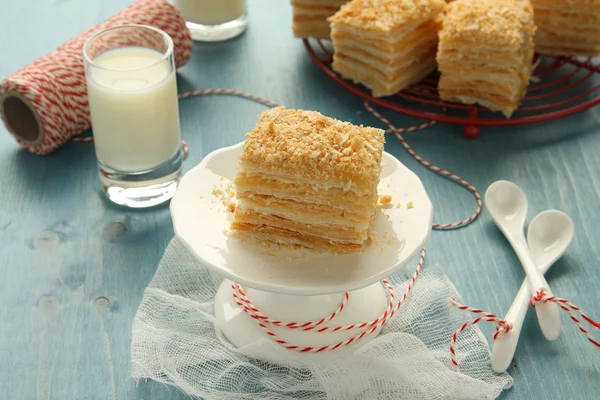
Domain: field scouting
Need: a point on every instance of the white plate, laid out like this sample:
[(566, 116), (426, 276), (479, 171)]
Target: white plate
[(201, 222)]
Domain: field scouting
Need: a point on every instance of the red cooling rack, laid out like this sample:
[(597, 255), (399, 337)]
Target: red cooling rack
[(561, 86)]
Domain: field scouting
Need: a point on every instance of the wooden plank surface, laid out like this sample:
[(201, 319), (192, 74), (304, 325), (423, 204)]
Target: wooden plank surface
[(73, 267)]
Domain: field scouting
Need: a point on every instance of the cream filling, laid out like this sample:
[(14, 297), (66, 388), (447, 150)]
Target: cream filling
[(327, 218), (348, 186)]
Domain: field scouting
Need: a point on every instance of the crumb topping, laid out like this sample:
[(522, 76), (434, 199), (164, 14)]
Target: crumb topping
[(312, 146), (489, 22), (384, 200), (387, 15), (409, 205)]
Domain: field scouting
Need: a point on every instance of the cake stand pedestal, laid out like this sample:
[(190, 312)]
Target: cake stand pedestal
[(297, 285), (241, 329)]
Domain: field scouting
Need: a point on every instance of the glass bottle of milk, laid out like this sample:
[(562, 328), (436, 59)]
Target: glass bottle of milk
[(214, 20)]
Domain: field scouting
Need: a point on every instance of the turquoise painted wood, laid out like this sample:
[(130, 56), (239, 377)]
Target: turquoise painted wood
[(73, 267)]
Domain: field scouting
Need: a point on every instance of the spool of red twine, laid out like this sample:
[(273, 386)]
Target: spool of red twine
[(45, 103)]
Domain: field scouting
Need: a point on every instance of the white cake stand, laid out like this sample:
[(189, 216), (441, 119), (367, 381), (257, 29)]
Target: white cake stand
[(298, 285)]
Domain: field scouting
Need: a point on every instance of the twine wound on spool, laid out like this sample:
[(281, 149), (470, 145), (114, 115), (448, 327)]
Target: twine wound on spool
[(44, 104)]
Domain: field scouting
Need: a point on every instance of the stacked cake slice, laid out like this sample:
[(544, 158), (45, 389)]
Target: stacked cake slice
[(386, 45), (485, 53), (567, 28), (310, 17), (309, 180)]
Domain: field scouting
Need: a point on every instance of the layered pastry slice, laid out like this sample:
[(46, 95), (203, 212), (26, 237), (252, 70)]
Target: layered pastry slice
[(485, 53), (310, 17), (567, 28), (386, 45), (309, 180)]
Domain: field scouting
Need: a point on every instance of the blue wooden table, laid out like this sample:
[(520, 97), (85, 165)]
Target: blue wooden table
[(73, 267)]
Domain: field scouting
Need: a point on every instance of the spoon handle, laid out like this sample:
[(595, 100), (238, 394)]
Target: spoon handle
[(505, 345), (548, 314)]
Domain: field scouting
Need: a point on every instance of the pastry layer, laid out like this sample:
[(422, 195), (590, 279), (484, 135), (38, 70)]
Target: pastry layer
[(314, 12), (304, 212), (566, 19), (492, 101), (334, 197), (317, 30), (388, 42), (453, 58), (554, 49), (329, 231), (580, 6), (380, 88), (384, 84), (291, 238), (319, 3), (310, 17), (390, 69), (489, 86), (568, 29)]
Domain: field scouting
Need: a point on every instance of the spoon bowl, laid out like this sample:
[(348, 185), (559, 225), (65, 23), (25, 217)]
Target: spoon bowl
[(548, 235), (506, 203)]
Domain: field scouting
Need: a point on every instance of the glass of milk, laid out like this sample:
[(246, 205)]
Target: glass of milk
[(214, 20), (132, 93)]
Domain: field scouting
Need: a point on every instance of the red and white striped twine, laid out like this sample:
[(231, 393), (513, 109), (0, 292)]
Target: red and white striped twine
[(541, 297), (501, 326), (504, 327), (366, 328), (230, 92)]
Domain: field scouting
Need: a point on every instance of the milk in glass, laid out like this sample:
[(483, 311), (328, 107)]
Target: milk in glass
[(132, 94)]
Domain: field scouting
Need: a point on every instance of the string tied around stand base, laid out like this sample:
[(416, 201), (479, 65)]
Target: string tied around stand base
[(503, 326), (368, 327)]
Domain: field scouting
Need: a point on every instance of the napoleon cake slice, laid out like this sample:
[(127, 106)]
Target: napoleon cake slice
[(309, 180), (567, 28), (386, 45), (485, 53), (310, 17)]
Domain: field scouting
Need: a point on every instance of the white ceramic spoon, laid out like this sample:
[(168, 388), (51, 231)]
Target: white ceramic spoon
[(507, 205), (549, 235)]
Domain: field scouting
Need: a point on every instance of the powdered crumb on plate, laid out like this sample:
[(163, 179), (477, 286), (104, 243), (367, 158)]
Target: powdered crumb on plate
[(231, 206), (398, 205), (409, 205), (384, 200), (226, 195)]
